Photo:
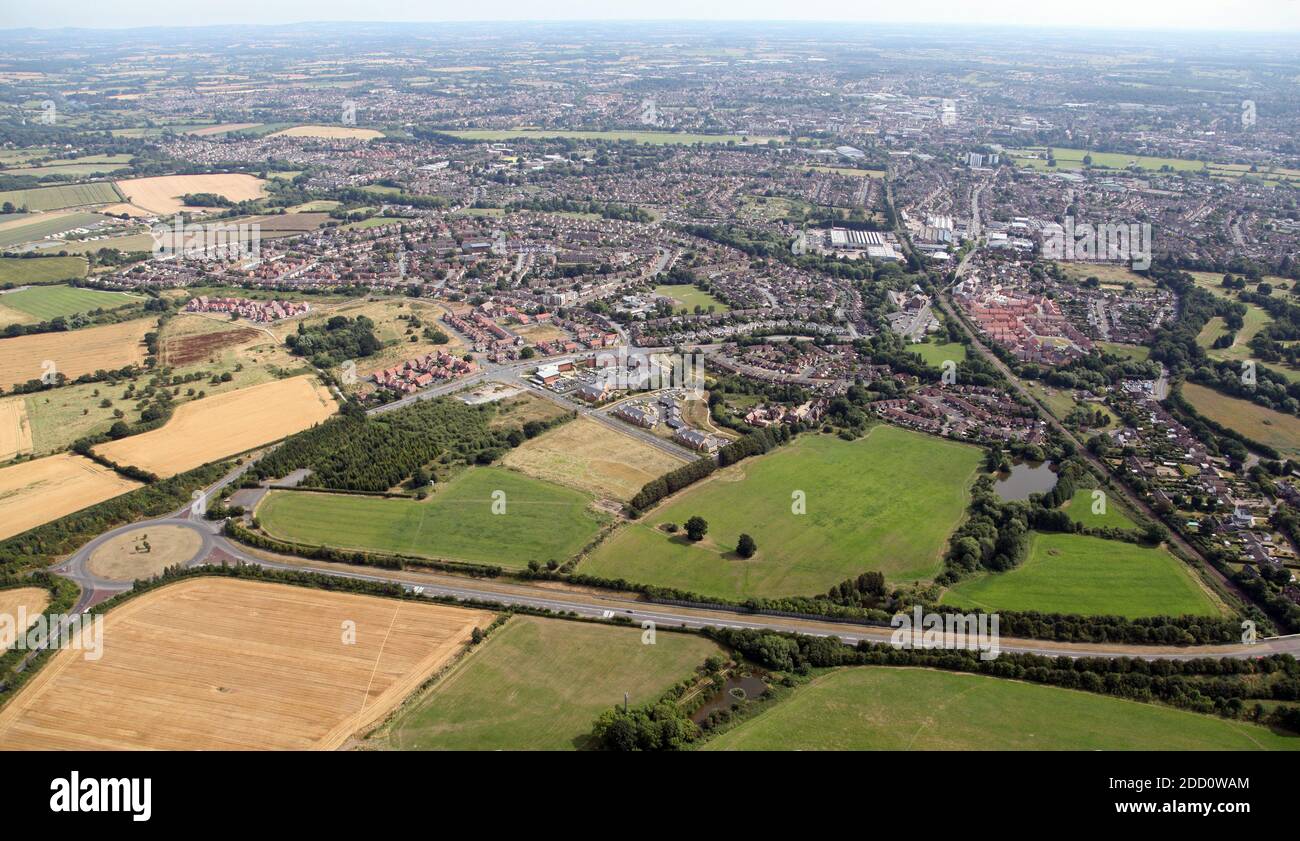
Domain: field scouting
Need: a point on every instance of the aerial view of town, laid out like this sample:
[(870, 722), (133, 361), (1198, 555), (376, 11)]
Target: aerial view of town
[(655, 386)]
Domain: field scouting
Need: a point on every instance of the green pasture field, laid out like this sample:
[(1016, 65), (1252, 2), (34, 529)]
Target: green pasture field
[(921, 709), (56, 198), (42, 226), (22, 272), (1138, 353), (539, 684), (936, 354), (541, 522), (1079, 507), (1073, 159), (887, 502), (1075, 573), (46, 302), (690, 297)]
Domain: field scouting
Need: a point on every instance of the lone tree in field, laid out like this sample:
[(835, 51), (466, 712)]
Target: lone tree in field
[(696, 528), (746, 547)]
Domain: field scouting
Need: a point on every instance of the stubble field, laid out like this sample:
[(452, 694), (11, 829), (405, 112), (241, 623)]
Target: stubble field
[(221, 664), (15, 427), (206, 430), (35, 492), (74, 352), (161, 194), (591, 457), (31, 599)]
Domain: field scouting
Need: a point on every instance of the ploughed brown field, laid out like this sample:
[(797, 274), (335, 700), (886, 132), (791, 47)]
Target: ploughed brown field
[(187, 350), (225, 664)]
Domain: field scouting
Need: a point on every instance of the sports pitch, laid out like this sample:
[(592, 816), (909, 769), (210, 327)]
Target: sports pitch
[(885, 503), (541, 521), (42, 303)]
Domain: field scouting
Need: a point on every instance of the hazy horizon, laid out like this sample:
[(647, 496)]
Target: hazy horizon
[(1261, 16)]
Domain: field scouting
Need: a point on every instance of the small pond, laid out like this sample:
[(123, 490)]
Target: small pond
[(1025, 478), (735, 691)]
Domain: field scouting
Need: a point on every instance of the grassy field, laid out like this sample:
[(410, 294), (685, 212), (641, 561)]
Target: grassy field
[(1074, 573), (56, 198), (541, 522), (591, 457), (1256, 319), (539, 684), (1110, 274), (935, 354), (125, 243), (650, 137), (1264, 425), (885, 503), (43, 303), (21, 272), (1138, 353), (1080, 510), (919, 709), (1068, 159), (689, 297)]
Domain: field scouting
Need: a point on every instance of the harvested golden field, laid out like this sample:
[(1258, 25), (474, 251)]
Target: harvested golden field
[(74, 352), (161, 194), (330, 132), (589, 456), (35, 492), (33, 599), (129, 209), (1277, 430), (144, 553), (15, 428), (206, 430), (223, 664)]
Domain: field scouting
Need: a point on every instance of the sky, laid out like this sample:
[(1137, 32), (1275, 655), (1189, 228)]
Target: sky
[(1262, 15)]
